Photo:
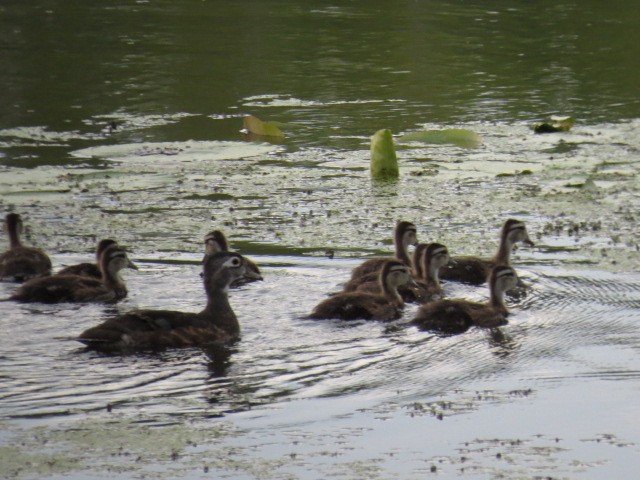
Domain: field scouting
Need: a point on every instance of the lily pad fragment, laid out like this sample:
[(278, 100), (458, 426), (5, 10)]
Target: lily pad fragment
[(555, 124), (460, 137), (257, 127), (384, 162)]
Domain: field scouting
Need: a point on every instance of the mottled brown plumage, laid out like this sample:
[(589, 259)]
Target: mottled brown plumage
[(385, 305), (76, 288), (404, 235), (156, 329), (475, 270), (87, 269), (458, 315), (20, 262)]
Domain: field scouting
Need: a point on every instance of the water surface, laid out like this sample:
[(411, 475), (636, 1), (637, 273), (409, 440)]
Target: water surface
[(123, 120)]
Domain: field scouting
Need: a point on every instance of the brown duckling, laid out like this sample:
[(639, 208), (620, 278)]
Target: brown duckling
[(458, 315), (434, 257), (427, 260), (215, 242), (385, 305), (475, 270), (76, 288), (21, 263), (89, 269), (155, 329), (404, 235)]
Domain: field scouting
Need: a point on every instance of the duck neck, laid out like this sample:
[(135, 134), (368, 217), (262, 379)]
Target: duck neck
[(431, 278), (497, 300), (402, 247), (503, 255), (112, 279), (14, 237), (390, 292), (219, 311)]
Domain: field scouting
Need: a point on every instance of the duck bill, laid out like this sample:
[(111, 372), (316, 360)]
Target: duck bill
[(528, 242), (252, 275), (132, 265)]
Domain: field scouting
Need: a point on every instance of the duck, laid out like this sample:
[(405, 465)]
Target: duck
[(216, 241), (475, 270), (434, 257), (451, 316), (404, 235), (217, 324), (21, 263), (428, 259), (77, 288), (385, 305), (87, 269)]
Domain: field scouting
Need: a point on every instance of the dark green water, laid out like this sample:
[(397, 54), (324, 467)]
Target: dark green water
[(551, 395)]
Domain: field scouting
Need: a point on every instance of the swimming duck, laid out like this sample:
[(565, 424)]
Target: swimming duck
[(89, 269), (154, 329), (404, 235), (215, 242), (21, 263), (385, 305), (434, 257), (458, 315), (76, 288), (475, 270), (427, 260)]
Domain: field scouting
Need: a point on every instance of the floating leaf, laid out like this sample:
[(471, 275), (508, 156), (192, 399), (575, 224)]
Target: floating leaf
[(555, 124), (384, 163), (258, 127), (456, 136)]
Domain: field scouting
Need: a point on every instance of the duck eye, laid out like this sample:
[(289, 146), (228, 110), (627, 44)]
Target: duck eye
[(235, 262)]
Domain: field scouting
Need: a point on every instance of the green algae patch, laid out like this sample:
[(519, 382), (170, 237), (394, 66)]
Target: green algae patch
[(384, 162), (460, 137)]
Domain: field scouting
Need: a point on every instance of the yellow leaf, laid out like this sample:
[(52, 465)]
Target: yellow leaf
[(258, 127)]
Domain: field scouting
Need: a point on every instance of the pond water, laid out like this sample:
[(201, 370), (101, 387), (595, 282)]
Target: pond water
[(123, 119)]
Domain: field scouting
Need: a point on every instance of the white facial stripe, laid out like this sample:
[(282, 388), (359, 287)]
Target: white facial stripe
[(517, 226), (399, 268), (232, 262), (440, 251), (505, 273)]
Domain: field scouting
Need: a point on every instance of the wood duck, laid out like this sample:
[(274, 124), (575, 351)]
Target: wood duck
[(427, 260), (385, 305), (475, 270), (434, 257), (156, 329), (21, 263), (404, 235), (89, 269), (458, 315), (215, 242), (76, 288)]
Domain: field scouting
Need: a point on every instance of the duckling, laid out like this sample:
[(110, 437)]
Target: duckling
[(154, 329), (434, 257), (21, 263), (404, 235), (457, 316), (427, 260), (215, 242), (475, 270), (89, 269), (369, 282), (76, 288), (385, 305)]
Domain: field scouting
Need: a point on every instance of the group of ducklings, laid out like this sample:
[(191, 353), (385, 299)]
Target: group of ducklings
[(377, 290)]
